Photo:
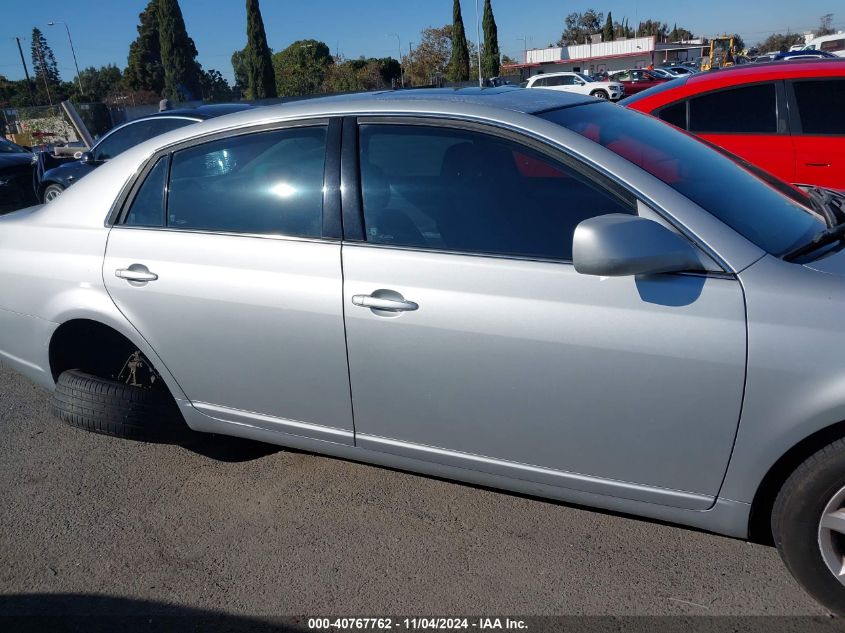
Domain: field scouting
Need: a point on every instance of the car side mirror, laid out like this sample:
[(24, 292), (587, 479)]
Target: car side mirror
[(618, 245), (87, 158)]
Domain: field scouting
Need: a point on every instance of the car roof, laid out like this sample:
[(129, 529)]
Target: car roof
[(204, 112), (504, 97), (690, 85)]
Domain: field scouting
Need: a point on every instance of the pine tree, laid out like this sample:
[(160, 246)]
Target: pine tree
[(262, 80), (144, 70), (608, 34), (46, 71), (459, 63), (178, 54), (490, 56)]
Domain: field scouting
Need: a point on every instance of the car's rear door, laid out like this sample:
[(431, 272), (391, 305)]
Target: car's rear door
[(474, 343), (818, 130), (226, 260)]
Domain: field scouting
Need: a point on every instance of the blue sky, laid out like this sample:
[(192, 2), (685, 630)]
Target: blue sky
[(103, 29)]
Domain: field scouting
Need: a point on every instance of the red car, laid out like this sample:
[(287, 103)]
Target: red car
[(637, 80), (786, 117)]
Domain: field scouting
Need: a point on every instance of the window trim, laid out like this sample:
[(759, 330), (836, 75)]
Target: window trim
[(795, 111), (601, 180), (120, 208)]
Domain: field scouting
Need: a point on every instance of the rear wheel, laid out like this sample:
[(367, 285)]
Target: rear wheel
[(114, 408), (601, 94), (808, 525), (52, 192)]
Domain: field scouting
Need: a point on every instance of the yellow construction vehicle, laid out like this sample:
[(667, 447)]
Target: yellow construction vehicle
[(722, 53)]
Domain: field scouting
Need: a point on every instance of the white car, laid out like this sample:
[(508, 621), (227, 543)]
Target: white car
[(578, 82)]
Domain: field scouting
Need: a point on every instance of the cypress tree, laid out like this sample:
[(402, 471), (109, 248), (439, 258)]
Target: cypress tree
[(490, 59), (262, 80), (608, 34), (46, 71), (459, 62), (178, 54), (144, 70)]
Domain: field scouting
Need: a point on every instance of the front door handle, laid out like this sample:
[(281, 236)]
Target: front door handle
[(387, 304), (136, 272), (818, 164)]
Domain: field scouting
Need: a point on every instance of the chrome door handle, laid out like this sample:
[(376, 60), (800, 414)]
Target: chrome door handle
[(383, 303), (135, 272)]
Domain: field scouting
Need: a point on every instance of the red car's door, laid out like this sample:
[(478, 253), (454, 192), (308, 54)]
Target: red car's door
[(744, 120), (818, 131)]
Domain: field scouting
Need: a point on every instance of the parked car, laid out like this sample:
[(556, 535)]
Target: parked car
[(803, 54), (678, 70), (637, 80), (54, 181), (17, 171), (834, 43), (577, 82), (524, 289), (663, 73), (785, 118)]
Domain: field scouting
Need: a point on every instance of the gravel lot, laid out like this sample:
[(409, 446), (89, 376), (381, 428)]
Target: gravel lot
[(249, 529)]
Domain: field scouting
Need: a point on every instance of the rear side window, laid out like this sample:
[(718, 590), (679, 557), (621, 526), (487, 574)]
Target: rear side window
[(263, 183), (821, 105), (833, 45), (746, 110), (675, 114), (148, 206), (466, 191)]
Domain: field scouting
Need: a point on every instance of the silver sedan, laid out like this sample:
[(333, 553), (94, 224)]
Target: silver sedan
[(529, 290)]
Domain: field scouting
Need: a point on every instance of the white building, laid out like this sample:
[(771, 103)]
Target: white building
[(597, 56)]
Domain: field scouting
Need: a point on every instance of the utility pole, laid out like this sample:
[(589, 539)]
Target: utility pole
[(478, 43), (72, 50), (43, 71), (26, 72), (399, 48), (524, 41)]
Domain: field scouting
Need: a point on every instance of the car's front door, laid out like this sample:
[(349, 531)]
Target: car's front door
[(221, 263), (749, 121), (473, 342)]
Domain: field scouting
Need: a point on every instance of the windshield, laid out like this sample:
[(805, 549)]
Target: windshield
[(585, 77), (775, 221)]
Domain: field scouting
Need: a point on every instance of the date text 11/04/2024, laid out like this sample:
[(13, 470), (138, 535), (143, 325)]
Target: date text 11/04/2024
[(443, 624)]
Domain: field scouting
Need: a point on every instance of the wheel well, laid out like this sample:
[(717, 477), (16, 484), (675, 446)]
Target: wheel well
[(90, 347), (759, 524)]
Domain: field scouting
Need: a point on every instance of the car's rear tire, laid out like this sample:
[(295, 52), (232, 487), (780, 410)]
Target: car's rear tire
[(52, 192), (808, 525), (601, 94), (117, 409)]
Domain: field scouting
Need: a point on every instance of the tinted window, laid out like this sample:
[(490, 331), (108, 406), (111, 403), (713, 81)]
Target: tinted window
[(753, 208), (833, 45), (458, 190), (821, 105), (747, 110), (675, 114), (148, 206), (268, 183), (134, 134)]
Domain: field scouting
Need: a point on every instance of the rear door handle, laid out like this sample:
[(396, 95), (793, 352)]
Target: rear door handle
[(136, 272), (384, 303), (818, 164)]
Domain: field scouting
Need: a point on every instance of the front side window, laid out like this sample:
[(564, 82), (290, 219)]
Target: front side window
[(745, 110), (762, 213), (676, 114), (466, 191), (821, 105), (263, 183)]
